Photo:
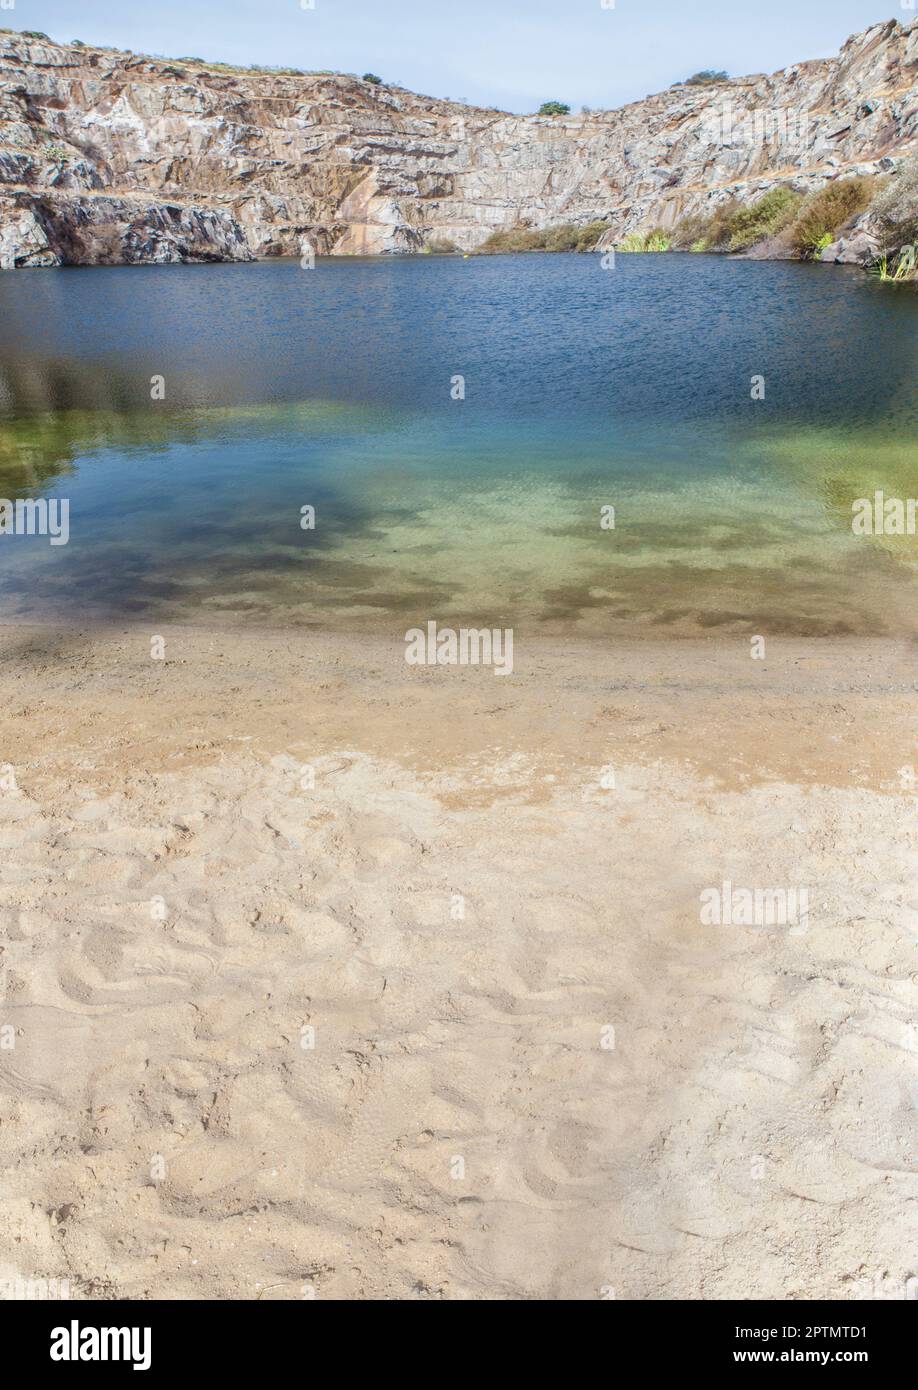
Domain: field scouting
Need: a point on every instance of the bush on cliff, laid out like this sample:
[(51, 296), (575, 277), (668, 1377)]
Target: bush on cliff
[(590, 234), (766, 217), (897, 204), (711, 233), (554, 108), (562, 237), (639, 242), (706, 78), (825, 212), (516, 239), (689, 231), (733, 227)]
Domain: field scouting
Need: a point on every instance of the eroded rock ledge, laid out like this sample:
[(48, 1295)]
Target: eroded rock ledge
[(111, 158)]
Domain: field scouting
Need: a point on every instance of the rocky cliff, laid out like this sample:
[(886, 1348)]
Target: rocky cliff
[(107, 157)]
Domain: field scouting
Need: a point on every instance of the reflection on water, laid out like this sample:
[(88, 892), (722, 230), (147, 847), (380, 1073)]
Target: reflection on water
[(583, 390)]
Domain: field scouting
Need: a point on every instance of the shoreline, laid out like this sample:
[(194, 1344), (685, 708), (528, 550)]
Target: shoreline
[(552, 703), (422, 255)]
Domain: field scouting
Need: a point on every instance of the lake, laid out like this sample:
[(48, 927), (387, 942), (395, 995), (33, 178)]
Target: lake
[(584, 389)]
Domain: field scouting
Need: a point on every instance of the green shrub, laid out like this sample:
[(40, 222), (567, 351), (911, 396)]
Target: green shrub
[(823, 213), (689, 230), (590, 234), (711, 233), (706, 78), (733, 227), (713, 230), (371, 77), (766, 217), (638, 242), (562, 237), (35, 34), (905, 265), (516, 239), (718, 236), (554, 108)]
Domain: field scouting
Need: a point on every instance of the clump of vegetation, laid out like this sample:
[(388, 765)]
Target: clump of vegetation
[(824, 212), (766, 217), (564, 237), (711, 233), (440, 246), (734, 227), (35, 34), (590, 234), (372, 77), (690, 231), (637, 242), (904, 267), (554, 108), (706, 78), (515, 239)]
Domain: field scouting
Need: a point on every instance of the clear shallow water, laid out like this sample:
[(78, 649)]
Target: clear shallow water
[(584, 388)]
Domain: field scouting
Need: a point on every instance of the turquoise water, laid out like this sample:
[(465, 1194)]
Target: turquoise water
[(584, 389)]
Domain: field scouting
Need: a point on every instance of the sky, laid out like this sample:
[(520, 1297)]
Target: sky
[(513, 54)]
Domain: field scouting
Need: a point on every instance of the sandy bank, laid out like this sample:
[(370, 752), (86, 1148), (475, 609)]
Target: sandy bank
[(208, 856)]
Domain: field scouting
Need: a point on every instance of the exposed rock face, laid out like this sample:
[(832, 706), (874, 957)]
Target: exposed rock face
[(59, 229), (106, 157), (861, 244)]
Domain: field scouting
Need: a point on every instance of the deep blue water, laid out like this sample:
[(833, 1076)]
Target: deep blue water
[(583, 388)]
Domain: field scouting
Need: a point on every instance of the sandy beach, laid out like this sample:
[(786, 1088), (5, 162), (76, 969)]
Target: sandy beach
[(325, 976)]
